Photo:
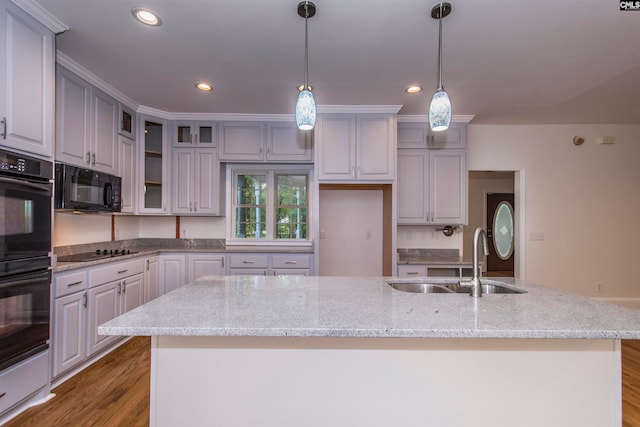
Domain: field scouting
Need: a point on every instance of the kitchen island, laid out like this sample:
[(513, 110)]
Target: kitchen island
[(352, 351)]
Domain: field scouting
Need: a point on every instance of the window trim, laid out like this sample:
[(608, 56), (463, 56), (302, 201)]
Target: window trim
[(271, 171)]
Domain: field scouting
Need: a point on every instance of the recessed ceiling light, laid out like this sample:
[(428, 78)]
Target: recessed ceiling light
[(146, 16), (204, 86), (413, 89)]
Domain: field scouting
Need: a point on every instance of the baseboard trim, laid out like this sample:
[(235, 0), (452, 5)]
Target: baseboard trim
[(633, 303)]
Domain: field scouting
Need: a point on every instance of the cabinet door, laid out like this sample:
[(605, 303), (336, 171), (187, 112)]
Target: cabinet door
[(413, 186), (153, 166), (241, 141), (336, 147), (72, 118), (132, 289), (26, 82), (151, 283), (191, 134), (127, 171), (183, 180), (287, 143), (448, 187), (104, 119), (375, 148), (69, 332), (412, 135), (103, 305), (205, 265), (207, 182), (455, 137), (171, 272), (127, 121)]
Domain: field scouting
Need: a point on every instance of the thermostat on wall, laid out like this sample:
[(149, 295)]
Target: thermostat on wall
[(606, 140)]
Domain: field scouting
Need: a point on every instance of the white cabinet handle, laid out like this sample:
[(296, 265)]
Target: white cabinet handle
[(195, 206), (412, 273), (244, 261), (93, 157), (124, 286), (353, 171), (122, 271), (290, 262), (74, 283), (119, 288), (85, 300), (4, 136), (88, 157)]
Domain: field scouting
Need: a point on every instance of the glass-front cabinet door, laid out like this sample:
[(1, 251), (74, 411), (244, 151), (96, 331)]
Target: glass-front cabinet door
[(153, 168), (194, 134)]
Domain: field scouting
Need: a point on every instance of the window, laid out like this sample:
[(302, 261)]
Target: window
[(269, 204)]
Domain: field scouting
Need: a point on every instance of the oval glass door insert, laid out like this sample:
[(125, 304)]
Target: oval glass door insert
[(503, 230)]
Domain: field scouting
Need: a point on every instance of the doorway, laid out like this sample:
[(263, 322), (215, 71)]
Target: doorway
[(355, 230), (500, 234), (482, 183)]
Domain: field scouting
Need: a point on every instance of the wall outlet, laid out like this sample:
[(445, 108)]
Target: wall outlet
[(599, 287), (536, 236), (184, 233)]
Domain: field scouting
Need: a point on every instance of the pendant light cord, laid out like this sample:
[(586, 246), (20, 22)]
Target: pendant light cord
[(440, 49), (306, 44)]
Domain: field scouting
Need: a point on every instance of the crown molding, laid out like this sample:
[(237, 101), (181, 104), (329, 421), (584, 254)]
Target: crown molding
[(96, 81), (42, 15), (423, 118), (360, 109)]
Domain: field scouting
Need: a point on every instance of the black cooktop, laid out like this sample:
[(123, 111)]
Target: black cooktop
[(98, 254)]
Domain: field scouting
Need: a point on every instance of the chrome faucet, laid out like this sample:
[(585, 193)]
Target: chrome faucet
[(476, 290)]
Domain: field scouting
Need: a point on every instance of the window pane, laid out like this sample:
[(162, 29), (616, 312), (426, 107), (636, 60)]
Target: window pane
[(292, 189), (291, 223), (252, 190), (251, 222)]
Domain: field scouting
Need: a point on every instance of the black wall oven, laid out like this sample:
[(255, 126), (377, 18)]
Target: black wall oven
[(25, 247)]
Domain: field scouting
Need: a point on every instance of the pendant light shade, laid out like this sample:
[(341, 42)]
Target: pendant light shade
[(306, 104), (440, 107), (440, 111), (305, 110)]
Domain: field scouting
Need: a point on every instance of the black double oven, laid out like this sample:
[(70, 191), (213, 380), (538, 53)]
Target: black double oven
[(25, 247)]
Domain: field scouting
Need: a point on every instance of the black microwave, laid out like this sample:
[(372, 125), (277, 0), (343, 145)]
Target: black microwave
[(81, 189)]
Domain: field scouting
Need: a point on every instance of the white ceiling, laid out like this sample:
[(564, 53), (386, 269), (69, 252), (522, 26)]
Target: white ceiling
[(504, 61)]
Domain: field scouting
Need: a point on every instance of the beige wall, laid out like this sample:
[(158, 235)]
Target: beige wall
[(585, 199)]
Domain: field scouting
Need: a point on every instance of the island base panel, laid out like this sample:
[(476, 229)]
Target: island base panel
[(285, 381)]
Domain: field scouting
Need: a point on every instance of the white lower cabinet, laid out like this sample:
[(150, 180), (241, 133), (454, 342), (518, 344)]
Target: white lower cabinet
[(270, 264), (171, 272), (113, 290), (436, 270), (23, 380), (151, 283), (204, 265), (86, 298)]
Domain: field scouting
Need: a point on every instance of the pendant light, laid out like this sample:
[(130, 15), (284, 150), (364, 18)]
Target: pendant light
[(306, 105), (440, 108)]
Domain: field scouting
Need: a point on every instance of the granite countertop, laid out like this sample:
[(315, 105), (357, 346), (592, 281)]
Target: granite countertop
[(151, 247), (431, 257), (316, 306)]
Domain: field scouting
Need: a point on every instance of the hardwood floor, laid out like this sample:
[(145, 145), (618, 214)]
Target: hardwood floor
[(631, 383), (115, 391)]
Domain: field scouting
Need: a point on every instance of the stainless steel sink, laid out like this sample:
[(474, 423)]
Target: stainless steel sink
[(421, 288), (451, 287)]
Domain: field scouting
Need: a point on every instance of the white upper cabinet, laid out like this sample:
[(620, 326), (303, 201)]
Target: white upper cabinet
[(356, 147), (127, 118), (128, 172), (196, 182), (280, 142), (193, 134), (418, 135), (432, 187), (26, 82), (86, 124), (153, 170)]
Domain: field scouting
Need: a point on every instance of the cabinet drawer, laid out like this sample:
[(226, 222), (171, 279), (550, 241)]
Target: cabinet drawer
[(115, 271), (20, 381), (69, 283), (248, 261), (412, 271), (291, 261)]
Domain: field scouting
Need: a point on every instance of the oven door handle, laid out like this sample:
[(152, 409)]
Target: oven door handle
[(41, 187), (26, 281)]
